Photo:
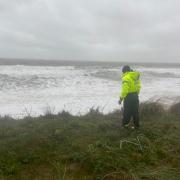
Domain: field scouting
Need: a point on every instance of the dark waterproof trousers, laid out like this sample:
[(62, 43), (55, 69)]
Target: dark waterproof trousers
[(131, 109)]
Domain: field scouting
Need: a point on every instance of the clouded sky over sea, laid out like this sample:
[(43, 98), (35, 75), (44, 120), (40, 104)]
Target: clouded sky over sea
[(104, 30)]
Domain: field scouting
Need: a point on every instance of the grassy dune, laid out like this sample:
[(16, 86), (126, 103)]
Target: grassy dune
[(92, 146)]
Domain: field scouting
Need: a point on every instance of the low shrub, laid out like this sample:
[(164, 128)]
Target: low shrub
[(151, 108), (175, 109)]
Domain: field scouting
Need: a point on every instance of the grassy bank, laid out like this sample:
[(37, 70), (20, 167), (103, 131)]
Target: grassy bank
[(92, 146)]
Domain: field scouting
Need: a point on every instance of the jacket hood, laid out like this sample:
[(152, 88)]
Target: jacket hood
[(135, 75)]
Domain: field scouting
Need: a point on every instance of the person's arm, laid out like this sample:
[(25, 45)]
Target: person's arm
[(124, 89), (139, 86), (138, 83)]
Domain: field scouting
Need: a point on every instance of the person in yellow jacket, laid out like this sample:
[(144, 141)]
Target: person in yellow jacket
[(131, 86)]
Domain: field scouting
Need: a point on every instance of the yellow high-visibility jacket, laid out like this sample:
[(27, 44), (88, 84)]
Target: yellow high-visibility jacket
[(130, 83)]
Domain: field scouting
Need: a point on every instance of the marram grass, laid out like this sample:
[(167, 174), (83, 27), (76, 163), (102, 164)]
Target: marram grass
[(91, 146)]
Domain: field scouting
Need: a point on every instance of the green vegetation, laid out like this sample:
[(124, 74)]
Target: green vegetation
[(92, 146)]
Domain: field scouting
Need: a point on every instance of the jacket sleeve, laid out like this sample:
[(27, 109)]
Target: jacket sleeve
[(124, 89), (138, 86)]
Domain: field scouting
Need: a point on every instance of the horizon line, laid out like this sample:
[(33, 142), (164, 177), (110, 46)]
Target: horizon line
[(85, 61)]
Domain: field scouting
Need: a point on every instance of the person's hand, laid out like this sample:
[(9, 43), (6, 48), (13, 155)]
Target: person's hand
[(120, 101)]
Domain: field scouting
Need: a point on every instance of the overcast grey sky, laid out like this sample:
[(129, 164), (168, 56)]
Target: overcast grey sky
[(105, 30)]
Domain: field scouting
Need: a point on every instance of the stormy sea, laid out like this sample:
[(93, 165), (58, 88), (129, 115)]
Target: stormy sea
[(30, 87)]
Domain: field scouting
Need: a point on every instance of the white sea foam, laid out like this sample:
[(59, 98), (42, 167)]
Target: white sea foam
[(34, 89)]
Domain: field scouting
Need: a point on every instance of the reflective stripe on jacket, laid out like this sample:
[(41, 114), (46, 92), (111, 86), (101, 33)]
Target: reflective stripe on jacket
[(130, 83)]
